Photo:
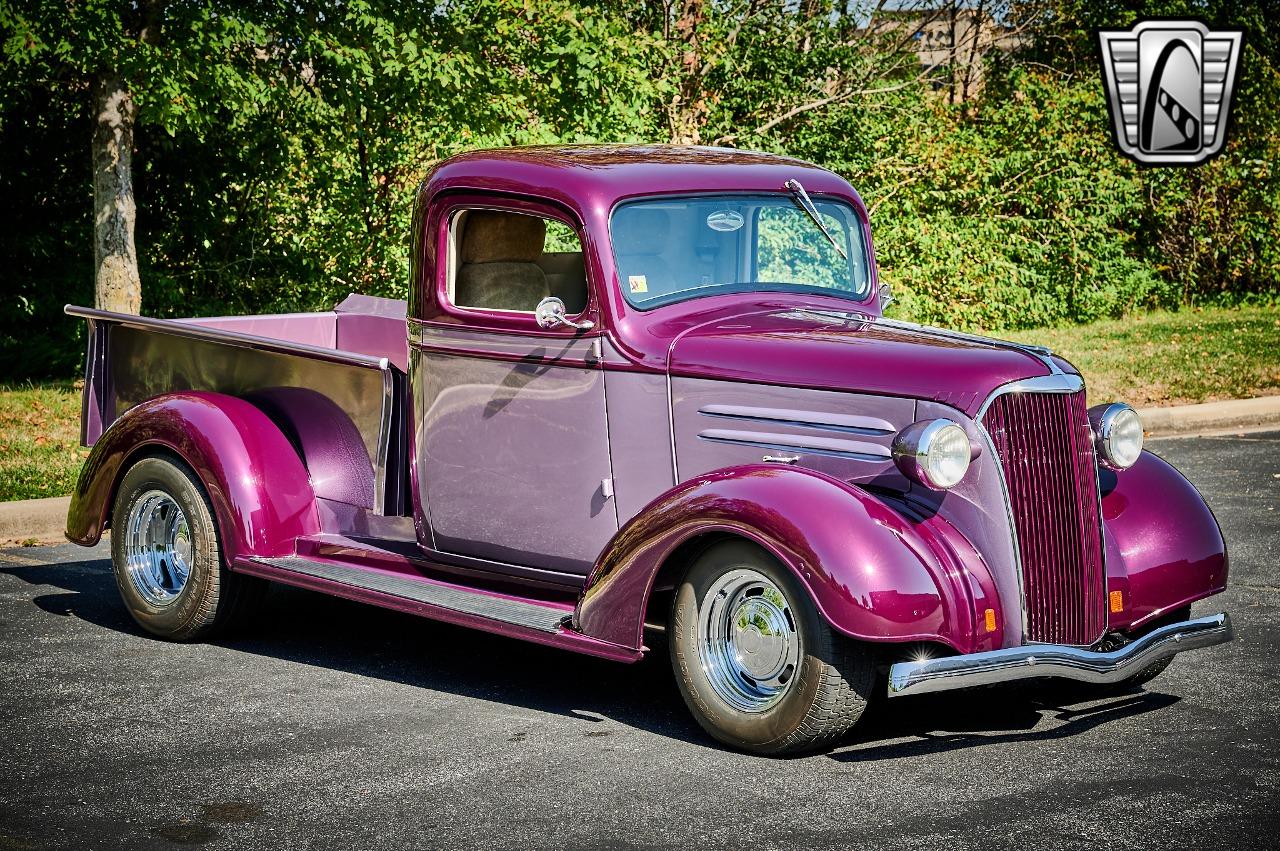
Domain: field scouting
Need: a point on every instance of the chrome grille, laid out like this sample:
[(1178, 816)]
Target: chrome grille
[(1046, 451)]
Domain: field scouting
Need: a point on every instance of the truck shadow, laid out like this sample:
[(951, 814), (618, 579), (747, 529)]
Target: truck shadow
[(334, 634), (1024, 713)]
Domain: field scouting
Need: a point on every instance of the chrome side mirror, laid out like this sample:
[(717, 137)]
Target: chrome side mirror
[(886, 296), (550, 313)]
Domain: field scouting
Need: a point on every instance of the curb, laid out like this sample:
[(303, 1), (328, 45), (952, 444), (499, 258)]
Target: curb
[(40, 519), (1228, 417), (45, 519)]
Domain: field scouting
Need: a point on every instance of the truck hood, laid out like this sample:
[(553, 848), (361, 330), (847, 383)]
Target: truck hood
[(831, 350)]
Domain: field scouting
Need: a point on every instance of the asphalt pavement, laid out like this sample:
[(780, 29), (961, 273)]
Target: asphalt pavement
[(329, 724)]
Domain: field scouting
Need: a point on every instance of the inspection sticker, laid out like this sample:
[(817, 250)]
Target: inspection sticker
[(638, 283)]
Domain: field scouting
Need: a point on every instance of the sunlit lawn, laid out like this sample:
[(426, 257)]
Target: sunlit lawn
[(1161, 358), (40, 452)]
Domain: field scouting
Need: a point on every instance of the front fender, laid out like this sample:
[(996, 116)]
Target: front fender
[(875, 571), (259, 488), (1164, 547)]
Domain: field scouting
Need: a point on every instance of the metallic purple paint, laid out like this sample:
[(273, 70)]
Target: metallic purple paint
[(332, 447), (258, 486), (803, 348), (514, 458), (977, 506), (513, 449), (874, 572), (729, 423), (369, 326), (1164, 548), (639, 439), (308, 329), (509, 429)]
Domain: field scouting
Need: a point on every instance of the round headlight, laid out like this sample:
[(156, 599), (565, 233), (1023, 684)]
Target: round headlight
[(1117, 432), (934, 453)]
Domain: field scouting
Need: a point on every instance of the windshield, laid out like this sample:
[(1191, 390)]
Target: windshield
[(672, 249)]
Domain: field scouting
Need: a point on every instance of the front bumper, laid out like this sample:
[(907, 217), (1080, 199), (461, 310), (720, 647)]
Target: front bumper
[(1055, 660)]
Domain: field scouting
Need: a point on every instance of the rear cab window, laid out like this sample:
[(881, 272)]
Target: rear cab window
[(508, 261)]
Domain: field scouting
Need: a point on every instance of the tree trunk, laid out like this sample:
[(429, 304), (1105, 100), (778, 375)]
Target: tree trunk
[(688, 108), (117, 285)]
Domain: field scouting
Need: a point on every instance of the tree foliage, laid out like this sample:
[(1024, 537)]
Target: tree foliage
[(279, 143)]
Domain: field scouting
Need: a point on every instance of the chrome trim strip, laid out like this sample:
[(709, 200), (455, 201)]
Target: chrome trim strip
[(1055, 660), (1060, 383), (845, 423), (671, 426), (856, 450)]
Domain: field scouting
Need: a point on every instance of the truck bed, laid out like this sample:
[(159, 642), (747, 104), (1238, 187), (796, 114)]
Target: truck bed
[(333, 381)]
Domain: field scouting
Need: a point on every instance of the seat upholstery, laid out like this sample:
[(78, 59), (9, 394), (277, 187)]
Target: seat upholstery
[(498, 255), (567, 278)]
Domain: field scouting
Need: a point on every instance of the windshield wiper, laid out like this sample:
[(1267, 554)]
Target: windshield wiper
[(793, 186)]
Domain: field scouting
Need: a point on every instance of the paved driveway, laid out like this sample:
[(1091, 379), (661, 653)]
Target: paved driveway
[(333, 725)]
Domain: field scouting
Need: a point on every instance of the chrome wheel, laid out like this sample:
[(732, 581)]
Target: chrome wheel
[(747, 640), (157, 548)]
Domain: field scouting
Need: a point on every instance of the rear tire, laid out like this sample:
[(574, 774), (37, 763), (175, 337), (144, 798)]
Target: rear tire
[(758, 666), (167, 556)]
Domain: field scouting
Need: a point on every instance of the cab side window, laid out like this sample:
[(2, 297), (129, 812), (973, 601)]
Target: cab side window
[(510, 261)]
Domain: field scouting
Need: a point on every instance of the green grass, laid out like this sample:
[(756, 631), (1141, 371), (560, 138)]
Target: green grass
[(1162, 358), (40, 453)]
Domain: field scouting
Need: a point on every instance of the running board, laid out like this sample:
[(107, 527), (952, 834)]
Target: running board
[(501, 610)]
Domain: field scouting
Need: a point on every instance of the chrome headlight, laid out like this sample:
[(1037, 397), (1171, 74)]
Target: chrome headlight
[(1117, 433), (935, 453)]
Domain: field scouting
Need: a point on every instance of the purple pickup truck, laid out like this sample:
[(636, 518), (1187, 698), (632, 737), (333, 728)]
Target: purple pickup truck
[(646, 390)]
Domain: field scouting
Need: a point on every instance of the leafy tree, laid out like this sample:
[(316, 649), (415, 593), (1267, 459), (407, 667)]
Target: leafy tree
[(276, 146), (171, 64)]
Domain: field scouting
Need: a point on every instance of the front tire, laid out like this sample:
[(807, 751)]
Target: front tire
[(1155, 669), (758, 666), (1067, 691), (167, 556)]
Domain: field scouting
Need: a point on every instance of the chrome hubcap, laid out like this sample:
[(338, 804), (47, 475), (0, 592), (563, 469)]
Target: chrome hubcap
[(747, 640), (157, 548)]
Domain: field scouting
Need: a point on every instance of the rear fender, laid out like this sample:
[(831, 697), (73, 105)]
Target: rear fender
[(1164, 547), (875, 571), (256, 482)]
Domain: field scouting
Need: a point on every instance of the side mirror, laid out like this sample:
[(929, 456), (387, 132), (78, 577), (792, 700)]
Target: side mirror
[(550, 313), (886, 296)]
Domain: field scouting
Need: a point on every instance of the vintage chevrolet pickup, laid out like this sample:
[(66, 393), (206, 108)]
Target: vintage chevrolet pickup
[(651, 388)]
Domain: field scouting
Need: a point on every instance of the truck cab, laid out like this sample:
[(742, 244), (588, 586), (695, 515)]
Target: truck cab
[(638, 390)]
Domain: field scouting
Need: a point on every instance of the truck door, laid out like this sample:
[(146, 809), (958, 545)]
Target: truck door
[(512, 445)]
